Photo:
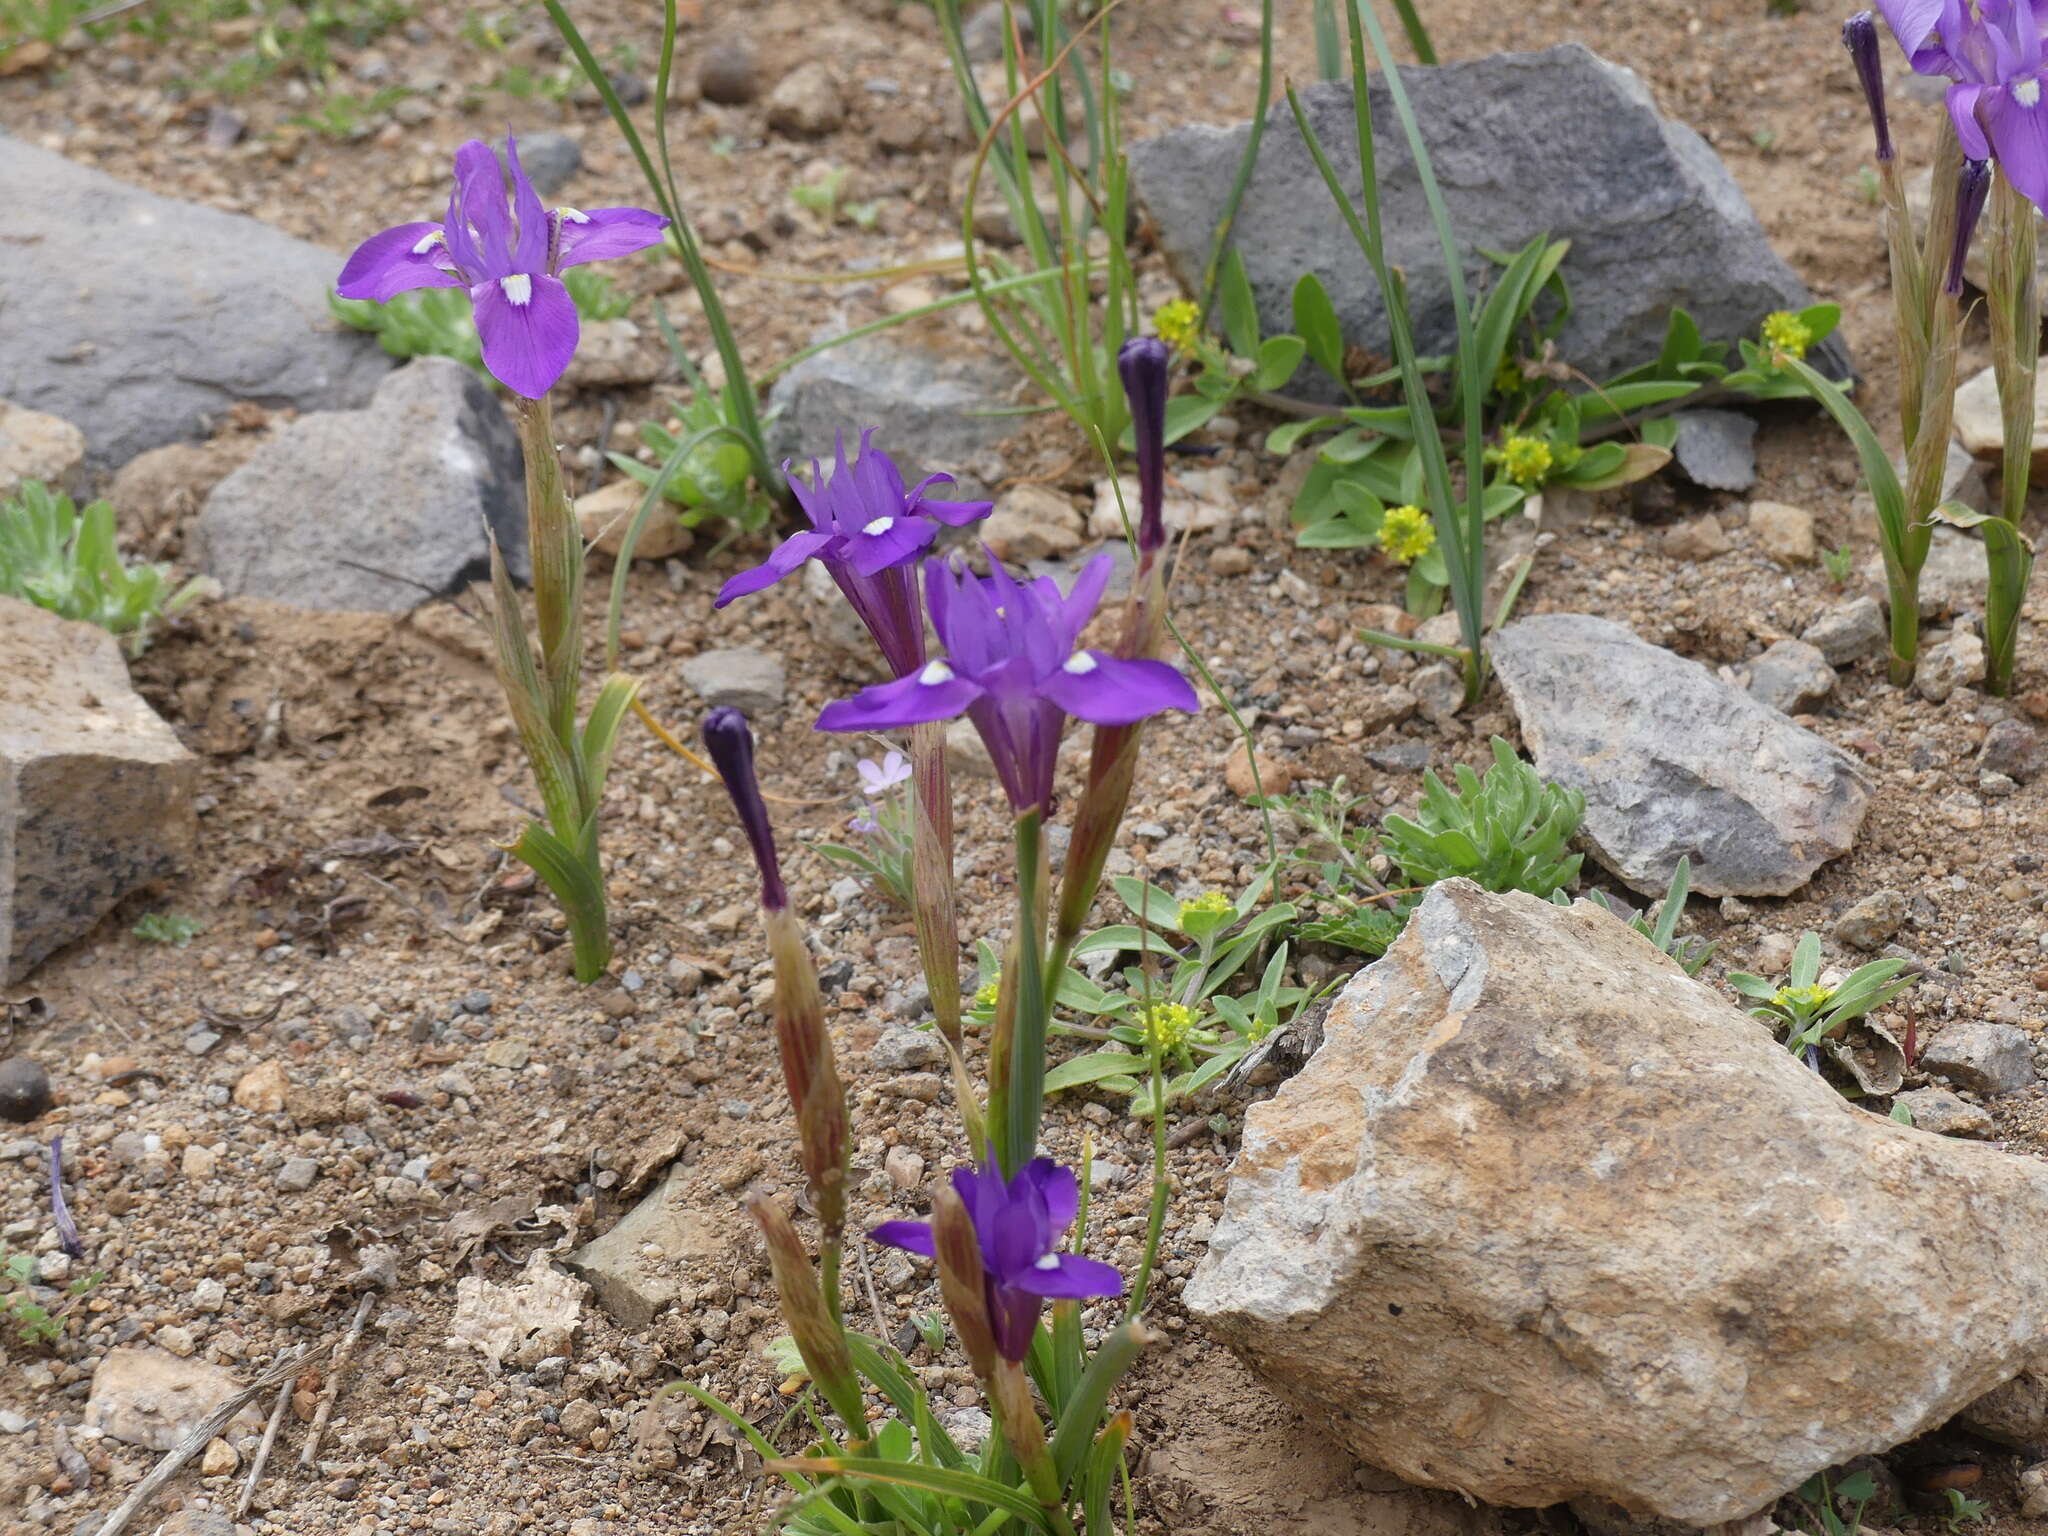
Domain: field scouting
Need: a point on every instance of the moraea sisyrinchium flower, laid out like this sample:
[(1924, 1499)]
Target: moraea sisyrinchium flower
[(1012, 667), (867, 530), (509, 258), (1991, 53), (1018, 1224)]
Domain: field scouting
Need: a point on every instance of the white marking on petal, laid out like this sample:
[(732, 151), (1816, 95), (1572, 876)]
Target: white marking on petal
[(1048, 1261), (428, 241), (879, 526), (2027, 92), (573, 215), (1080, 664), (935, 673), (518, 288)]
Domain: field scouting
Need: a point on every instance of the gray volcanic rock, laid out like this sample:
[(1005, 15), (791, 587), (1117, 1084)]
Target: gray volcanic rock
[(1558, 142), (379, 509), (1522, 1226), (141, 318), (1673, 761)]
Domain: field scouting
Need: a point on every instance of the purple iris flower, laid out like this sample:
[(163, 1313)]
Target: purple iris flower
[(1018, 1224), (1990, 50), (867, 530), (509, 258), (1012, 667)]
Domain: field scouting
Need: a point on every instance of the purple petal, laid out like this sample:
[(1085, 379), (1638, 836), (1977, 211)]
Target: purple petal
[(934, 693), (1070, 1278), (1911, 20), (785, 558), (954, 514), (531, 253), (480, 192), (1058, 1187), (910, 1236), (2019, 135), (529, 328), (1108, 690), (1085, 596), (603, 233), (1962, 110), (888, 541), (396, 261)]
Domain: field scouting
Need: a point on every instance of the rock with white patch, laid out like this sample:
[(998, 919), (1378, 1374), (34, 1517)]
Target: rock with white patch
[(147, 1397), (1521, 1229), (411, 487)]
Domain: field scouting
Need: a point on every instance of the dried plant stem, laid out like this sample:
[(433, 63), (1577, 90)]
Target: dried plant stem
[(202, 1435), (262, 1457), (342, 1358)]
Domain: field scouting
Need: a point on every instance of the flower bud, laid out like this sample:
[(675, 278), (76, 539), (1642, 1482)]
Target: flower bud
[(1973, 185), (731, 745), (820, 1341), (60, 1213), (1859, 36), (808, 1068), (963, 1283), (1142, 363)]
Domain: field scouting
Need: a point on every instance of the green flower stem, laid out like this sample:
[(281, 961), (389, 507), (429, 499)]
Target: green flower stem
[(568, 763), (2015, 308), (1155, 1220), (1016, 1131)]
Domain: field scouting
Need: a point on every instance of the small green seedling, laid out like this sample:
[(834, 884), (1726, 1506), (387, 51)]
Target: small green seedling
[(1822, 1503), (822, 197), (66, 561), (172, 928), (1840, 564), (1692, 953), (34, 1322)]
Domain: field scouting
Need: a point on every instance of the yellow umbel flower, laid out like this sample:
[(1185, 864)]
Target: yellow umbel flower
[(1785, 332), (1168, 1025), (985, 996), (1525, 460), (1802, 997), (1208, 904), (1407, 534), (1178, 323)]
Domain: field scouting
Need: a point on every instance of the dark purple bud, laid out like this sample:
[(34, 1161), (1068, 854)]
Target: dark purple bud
[(67, 1229), (1972, 186), (1142, 362), (731, 745), (1859, 36)]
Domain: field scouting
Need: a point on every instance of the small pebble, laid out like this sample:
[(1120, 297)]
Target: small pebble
[(24, 1089)]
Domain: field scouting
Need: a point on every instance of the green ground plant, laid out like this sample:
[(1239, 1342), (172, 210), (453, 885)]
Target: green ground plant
[(1810, 1013), (68, 562), (34, 1323), (169, 928)]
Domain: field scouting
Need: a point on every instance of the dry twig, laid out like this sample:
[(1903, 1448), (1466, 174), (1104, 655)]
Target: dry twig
[(342, 1357), (202, 1435), (262, 1456)]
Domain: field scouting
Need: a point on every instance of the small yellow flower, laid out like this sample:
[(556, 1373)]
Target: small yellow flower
[(1168, 1025), (985, 996), (1406, 533), (1208, 904), (1527, 460), (1509, 376), (1178, 323), (1802, 997), (1785, 332)]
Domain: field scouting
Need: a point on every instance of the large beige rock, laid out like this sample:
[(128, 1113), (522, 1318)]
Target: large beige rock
[(95, 789), (1544, 1219), (36, 446), (1980, 425), (151, 1398)]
